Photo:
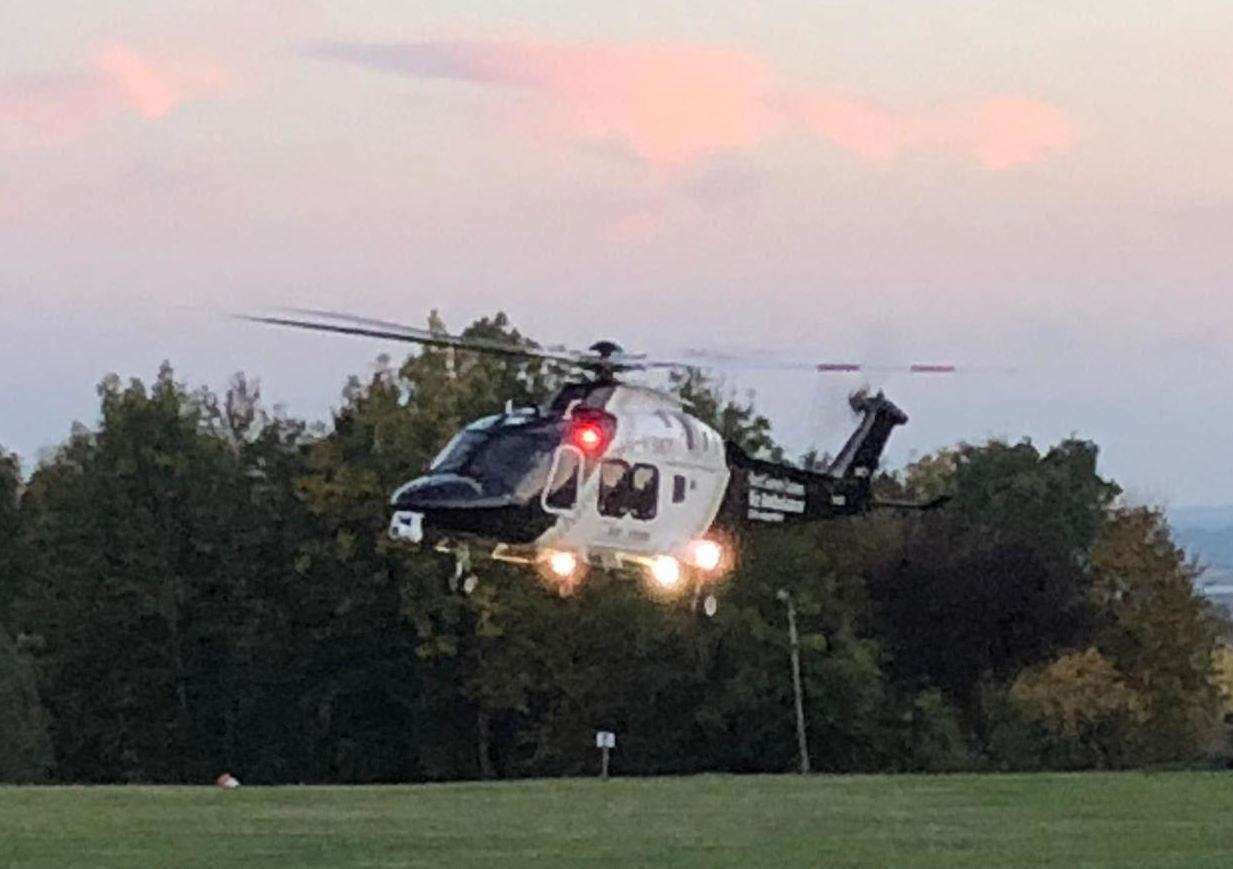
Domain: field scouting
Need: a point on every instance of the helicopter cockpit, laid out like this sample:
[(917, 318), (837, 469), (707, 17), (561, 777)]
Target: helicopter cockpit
[(499, 457), (489, 477)]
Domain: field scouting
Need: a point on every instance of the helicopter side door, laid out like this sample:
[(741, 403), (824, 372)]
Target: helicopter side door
[(607, 503)]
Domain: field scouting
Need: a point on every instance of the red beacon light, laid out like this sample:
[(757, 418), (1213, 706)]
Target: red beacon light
[(588, 436), (591, 430)]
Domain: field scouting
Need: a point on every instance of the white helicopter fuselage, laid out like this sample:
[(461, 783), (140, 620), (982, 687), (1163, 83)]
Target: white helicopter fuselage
[(616, 475), (681, 458)]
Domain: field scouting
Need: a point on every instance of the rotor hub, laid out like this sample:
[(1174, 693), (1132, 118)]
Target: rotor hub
[(606, 349)]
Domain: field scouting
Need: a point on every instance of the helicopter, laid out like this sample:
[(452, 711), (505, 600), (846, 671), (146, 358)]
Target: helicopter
[(613, 474)]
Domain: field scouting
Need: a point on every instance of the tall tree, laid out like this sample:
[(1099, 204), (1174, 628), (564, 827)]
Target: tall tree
[(1159, 631), (127, 522), (997, 580), (13, 552), (25, 747), (388, 430)]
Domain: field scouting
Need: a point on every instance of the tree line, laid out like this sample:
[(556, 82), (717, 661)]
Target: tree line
[(199, 583)]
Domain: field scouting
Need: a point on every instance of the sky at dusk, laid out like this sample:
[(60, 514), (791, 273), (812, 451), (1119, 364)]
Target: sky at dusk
[(1046, 187)]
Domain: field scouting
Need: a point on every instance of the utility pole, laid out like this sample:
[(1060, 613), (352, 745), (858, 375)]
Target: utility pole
[(795, 645)]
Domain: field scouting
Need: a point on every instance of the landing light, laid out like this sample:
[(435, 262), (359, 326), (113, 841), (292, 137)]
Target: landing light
[(707, 554), (666, 571), (563, 564)]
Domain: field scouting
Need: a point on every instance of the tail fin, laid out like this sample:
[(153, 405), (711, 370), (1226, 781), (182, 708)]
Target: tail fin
[(859, 457)]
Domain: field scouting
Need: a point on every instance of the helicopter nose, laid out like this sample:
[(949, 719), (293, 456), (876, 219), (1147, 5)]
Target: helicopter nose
[(435, 492), (447, 504)]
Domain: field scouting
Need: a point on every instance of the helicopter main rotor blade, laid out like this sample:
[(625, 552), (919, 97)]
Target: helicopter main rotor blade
[(351, 318), (603, 359), (483, 345), (348, 324), (914, 368), (703, 359)]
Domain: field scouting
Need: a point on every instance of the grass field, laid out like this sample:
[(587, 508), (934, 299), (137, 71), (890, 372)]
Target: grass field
[(1174, 818)]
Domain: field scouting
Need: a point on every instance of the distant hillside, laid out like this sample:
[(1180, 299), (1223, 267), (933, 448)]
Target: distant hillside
[(1206, 533), (1218, 518), (1213, 547)]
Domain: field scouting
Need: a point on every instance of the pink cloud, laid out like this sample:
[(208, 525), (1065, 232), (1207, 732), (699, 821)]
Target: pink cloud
[(153, 86), (999, 132), (49, 109), (673, 104), (44, 110), (1013, 130), (667, 104)]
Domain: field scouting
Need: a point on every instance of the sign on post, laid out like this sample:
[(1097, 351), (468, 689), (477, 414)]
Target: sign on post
[(605, 740)]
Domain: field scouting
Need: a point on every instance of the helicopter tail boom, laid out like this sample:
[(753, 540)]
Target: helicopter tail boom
[(766, 492)]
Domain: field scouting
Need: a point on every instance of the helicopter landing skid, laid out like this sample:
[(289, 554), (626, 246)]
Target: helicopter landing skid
[(499, 552), (464, 578)]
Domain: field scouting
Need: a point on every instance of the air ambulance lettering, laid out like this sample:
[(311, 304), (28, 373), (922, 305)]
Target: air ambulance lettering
[(776, 484), (768, 501), (762, 516)]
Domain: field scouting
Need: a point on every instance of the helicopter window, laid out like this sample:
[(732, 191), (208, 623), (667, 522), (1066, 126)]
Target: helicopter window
[(512, 457), (453, 457), (626, 491), (502, 459), (613, 477), (562, 490), (678, 488), (644, 491)]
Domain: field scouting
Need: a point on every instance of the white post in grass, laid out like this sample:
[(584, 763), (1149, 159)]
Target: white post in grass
[(604, 740), (794, 642)]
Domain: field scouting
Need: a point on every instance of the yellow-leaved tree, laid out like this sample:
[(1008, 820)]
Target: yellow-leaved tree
[(1081, 698), (1159, 632), (1149, 688)]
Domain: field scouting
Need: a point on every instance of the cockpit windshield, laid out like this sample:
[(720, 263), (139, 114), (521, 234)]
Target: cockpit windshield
[(504, 458)]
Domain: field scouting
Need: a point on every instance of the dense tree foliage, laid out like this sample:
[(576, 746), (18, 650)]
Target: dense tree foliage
[(25, 746), (197, 584), (999, 579), (13, 552)]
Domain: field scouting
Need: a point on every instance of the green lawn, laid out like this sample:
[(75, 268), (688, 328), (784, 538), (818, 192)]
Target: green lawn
[(1175, 818)]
